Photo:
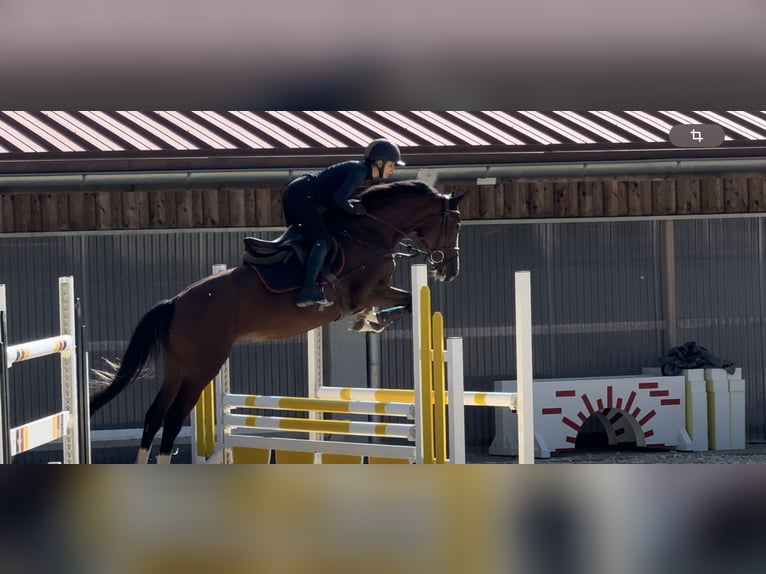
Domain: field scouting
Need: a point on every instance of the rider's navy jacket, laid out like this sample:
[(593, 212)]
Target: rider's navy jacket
[(336, 183)]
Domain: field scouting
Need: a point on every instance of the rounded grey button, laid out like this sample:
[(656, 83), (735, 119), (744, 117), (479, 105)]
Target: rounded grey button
[(696, 135)]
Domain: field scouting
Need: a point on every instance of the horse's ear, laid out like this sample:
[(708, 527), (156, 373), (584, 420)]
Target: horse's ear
[(454, 201)]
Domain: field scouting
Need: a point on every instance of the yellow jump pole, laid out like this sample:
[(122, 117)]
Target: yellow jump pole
[(426, 382), (205, 417)]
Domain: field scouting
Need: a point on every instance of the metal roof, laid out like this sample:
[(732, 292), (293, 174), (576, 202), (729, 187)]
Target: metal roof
[(50, 142), (35, 132)]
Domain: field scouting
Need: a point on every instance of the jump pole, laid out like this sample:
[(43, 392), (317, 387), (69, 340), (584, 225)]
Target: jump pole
[(419, 279)]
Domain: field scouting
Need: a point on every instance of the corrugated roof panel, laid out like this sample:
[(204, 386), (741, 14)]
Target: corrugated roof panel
[(654, 121), (408, 124), (751, 118), (234, 130), (18, 139), (686, 119), (552, 124), (628, 126), (85, 132), (121, 130), (451, 127), (32, 132), (52, 136), (733, 126), (600, 131), (485, 127), (381, 130), (343, 127), (196, 129), (158, 130), (522, 127), (307, 129), (271, 129)]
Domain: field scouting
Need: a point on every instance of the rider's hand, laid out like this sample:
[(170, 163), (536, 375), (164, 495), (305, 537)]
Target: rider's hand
[(356, 208)]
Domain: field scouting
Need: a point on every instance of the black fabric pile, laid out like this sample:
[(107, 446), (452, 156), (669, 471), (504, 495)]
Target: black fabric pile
[(692, 356)]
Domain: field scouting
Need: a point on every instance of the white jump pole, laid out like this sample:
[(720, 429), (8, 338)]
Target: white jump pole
[(419, 278), (4, 386), (526, 429), (456, 400), (315, 372)]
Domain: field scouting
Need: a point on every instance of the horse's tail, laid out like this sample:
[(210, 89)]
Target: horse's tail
[(147, 338)]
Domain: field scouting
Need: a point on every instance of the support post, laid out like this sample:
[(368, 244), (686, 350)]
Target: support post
[(456, 399), (524, 367), (83, 388), (69, 388), (5, 435), (419, 278)]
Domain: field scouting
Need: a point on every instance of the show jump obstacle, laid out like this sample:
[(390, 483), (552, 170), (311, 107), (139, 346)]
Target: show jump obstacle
[(432, 430), (61, 425)]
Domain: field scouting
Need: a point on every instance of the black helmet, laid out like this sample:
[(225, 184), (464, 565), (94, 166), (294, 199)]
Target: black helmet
[(383, 149)]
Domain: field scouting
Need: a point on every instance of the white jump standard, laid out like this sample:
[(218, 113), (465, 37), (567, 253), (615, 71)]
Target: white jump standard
[(63, 424)]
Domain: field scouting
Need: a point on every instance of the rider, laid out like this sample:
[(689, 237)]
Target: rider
[(307, 198)]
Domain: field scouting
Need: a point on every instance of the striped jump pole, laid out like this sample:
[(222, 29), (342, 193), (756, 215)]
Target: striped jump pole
[(356, 428), (390, 409), (470, 398)]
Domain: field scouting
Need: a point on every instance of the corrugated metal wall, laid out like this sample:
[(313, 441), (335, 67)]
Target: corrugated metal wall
[(119, 276), (597, 305), (720, 281), (598, 302)]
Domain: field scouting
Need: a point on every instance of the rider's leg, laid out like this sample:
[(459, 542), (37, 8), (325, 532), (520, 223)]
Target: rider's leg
[(309, 295)]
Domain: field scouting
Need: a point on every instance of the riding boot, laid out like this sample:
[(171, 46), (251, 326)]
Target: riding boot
[(309, 295)]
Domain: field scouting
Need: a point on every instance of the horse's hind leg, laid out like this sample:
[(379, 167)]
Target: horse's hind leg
[(156, 413), (184, 402)]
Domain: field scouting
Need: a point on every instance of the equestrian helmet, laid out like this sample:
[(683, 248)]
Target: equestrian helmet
[(383, 149)]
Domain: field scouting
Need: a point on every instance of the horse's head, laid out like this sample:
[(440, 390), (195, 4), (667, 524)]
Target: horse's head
[(439, 232), (414, 207)]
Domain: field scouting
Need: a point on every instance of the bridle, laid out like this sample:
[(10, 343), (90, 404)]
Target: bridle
[(434, 256)]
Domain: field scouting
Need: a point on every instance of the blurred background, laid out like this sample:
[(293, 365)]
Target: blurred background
[(236, 54)]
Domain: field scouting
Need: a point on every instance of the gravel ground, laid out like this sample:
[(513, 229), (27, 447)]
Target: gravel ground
[(753, 454)]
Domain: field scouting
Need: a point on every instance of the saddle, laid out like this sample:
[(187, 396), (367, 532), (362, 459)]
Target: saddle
[(280, 262), (267, 251)]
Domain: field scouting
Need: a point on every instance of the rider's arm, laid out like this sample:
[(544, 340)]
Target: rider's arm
[(354, 177)]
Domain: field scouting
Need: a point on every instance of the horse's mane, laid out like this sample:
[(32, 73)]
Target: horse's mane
[(384, 194)]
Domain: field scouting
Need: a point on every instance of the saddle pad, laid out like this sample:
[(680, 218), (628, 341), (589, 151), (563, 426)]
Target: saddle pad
[(288, 275)]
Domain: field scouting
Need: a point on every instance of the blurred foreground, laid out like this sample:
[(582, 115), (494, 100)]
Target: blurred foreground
[(483, 519)]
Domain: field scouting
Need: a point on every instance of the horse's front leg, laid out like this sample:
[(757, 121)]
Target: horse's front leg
[(386, 304), (386, 296), (375, 322)]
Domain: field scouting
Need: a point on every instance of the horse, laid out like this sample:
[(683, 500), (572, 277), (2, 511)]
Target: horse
[(196, 329)]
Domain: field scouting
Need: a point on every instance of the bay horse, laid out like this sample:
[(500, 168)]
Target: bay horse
[(196, 329)]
